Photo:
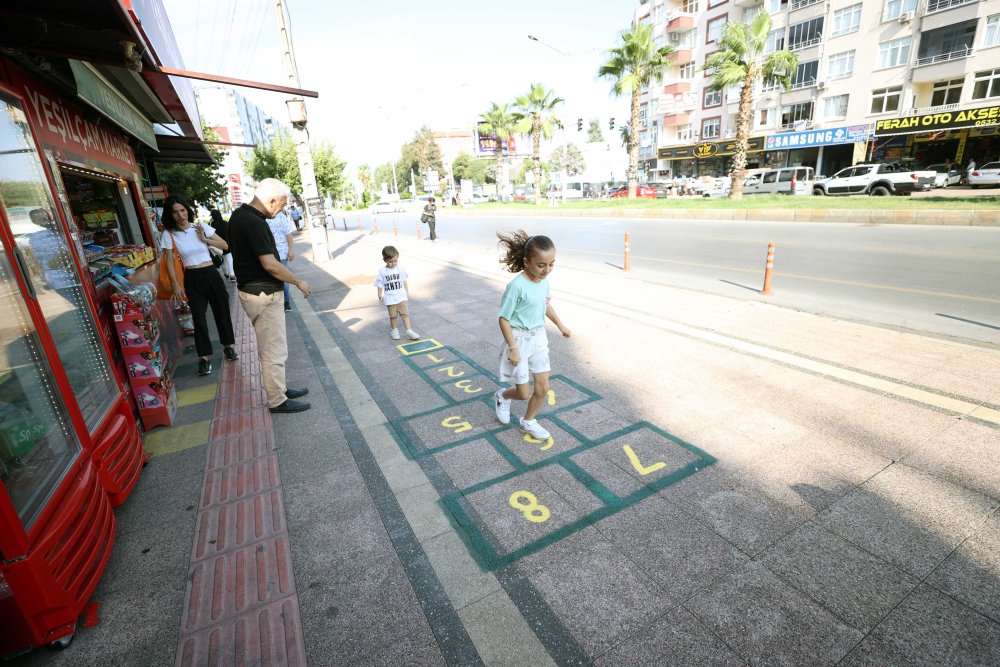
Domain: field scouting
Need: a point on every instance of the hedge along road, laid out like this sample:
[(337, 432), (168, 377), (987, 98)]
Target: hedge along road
[(934, 279)]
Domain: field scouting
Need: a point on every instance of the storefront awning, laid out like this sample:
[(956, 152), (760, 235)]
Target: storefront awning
[(935, 122), (92, 88), (708, 149)]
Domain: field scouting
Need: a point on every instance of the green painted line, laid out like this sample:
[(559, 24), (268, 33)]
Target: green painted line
[(603, 493)]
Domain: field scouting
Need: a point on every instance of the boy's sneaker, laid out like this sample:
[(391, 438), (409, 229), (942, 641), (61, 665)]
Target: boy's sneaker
[(412, 335), (534, 429), (502, 406), (394, 334)]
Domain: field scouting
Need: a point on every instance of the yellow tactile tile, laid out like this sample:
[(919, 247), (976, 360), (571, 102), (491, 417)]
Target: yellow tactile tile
[(177, 438), (196, 395)]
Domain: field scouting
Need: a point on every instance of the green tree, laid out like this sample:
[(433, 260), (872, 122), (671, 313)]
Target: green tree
[(742, 60), (625, 132), (594, 133), (466, 166), (501, 123), (534, 116), (417, 157), (568, 157), (198, 183), (279, 160), (383, 174), (633, 65)]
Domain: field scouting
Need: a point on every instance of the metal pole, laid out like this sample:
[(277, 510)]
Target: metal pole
[(300, 136)]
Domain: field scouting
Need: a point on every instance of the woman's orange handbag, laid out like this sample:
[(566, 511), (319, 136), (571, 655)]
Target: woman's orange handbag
[(164, 289)]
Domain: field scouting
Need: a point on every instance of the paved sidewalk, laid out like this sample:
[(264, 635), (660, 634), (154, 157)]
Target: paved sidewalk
[(728, 483)]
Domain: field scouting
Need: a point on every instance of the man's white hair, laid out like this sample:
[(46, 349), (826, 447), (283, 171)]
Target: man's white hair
[(272, 188)]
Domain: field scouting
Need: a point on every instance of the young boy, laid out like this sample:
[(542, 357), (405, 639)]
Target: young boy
[(392, 289)]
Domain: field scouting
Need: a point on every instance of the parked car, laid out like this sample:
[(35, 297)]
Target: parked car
[(642, 191), (780, 181), (988, 174), (476, 199), (945, 175), (877, 180), (384, 207)]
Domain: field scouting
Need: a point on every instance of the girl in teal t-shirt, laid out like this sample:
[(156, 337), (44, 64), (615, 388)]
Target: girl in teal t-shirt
[(523, 309)]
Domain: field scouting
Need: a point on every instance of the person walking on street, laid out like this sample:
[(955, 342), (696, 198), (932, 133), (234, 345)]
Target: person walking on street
[(203, 285), (524, 354), (282, 229), (296, 216), (221, 226), (971, 167), (430, 217), (260, 276)]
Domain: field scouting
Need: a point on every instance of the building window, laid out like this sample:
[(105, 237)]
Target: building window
[(992, 37), (715, 27), (775, 6), (805, 74), (835, 107), (710, 128), (846, 20), (687, 71), (893, 8), (713, 98), (807, 33), (775, 41), (764, 118), (690, 6), (685, 132), (894, 52), (946, 92), (986, 84), (840, 65), (715, 3), (794, 115), (885, 100), (751, 13), (711, 70)]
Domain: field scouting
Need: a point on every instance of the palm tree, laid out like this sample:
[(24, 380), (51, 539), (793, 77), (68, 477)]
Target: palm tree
[(501, 123), (634, 65), (742, 60), (534, 115)]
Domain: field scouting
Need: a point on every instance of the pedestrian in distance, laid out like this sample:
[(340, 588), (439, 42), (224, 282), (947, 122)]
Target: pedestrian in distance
[(221, 226), (296, 216), (260, 277), (971, 167), (203, 284), (282, 229), (525, 304), (392, 292), (429, 216)]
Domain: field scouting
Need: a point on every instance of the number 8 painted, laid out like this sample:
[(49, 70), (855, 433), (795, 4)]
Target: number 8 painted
[(532, 510)]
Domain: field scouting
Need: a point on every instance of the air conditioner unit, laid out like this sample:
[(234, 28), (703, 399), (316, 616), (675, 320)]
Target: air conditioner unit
[(821, 85), (674, 37), (905, 17)]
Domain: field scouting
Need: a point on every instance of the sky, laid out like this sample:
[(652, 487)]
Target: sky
[(384, 69)]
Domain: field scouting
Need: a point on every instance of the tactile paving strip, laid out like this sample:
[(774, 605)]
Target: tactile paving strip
[(241, 607)]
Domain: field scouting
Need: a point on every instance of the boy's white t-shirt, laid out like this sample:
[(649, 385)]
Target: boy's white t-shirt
[(391, 281), (193, 251)]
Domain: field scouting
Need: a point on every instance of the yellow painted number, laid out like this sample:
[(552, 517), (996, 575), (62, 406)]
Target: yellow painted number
[(433, 358), (639, 468), (466, 386), (552, 396), (451, 371), (527, 504), (456, 424), (546, 444)]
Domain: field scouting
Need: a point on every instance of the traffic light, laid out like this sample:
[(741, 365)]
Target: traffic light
[(611, 123), (579, 125)]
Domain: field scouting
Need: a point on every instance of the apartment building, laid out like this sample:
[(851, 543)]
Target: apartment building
[(876, 80)]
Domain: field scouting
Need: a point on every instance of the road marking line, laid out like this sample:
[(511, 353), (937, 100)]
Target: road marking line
[(888, 251)]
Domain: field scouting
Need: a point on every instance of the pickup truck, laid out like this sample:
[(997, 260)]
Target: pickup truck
[(877, 180)]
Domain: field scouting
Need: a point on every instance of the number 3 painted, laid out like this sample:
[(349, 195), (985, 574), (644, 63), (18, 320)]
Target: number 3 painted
[(466, 386), (532, 510)]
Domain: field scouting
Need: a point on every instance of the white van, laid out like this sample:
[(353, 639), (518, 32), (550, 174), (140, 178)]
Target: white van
[(779, 181)]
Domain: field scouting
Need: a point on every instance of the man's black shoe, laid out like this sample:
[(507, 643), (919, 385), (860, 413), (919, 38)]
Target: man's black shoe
[(230, 353), (296, 393), (291, 406)]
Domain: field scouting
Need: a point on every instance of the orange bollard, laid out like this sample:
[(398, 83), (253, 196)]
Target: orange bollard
[(360, 229), (395, 230), (768, 268), (628, 253), (419, 237), (375, 226)]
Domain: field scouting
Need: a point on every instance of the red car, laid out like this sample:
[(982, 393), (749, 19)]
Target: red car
[(642, 191)]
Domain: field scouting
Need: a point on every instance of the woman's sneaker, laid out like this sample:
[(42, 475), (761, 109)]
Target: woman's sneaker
[(502, 406), (394, 334), (412, 335), (534, 429), (204, 367)]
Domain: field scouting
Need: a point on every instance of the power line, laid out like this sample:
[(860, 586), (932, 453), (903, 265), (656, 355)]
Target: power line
[(248, 62)]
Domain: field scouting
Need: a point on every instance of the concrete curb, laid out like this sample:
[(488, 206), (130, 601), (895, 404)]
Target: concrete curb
[(964, 217)]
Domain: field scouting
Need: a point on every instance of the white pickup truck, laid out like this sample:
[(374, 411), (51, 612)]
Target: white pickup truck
[(877, 180)]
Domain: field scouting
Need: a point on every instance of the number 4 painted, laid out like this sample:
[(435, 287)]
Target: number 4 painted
[(639, 468)]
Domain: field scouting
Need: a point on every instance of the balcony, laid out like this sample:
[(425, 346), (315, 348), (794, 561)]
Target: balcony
[(941, 66), (676, 119), (799, 4), (805, 83), (681, 56), (680, 22), (806, 44), (941, 5), (747, 3), (941, 108), (962, 52), (677, 88), (797, 126)]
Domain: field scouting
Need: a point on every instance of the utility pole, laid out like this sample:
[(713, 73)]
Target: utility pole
[(314, 208)]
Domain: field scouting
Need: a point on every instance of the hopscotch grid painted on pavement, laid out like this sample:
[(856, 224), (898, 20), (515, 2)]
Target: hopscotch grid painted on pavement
[(488, 548)]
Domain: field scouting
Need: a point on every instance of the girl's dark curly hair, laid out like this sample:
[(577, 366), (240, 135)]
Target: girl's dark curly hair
[(167, 219), (518, 246)]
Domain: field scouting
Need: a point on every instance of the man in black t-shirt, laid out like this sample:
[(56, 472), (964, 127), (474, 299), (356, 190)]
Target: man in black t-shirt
[(260, 279)]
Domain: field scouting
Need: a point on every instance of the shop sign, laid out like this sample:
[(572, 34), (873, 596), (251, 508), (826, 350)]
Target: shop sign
[(487, 143), (934, 122), (708, 149), (92, 88), (835, 135), (61, 126)]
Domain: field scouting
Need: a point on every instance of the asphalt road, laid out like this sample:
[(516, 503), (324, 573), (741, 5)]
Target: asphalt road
[(939, 280)]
